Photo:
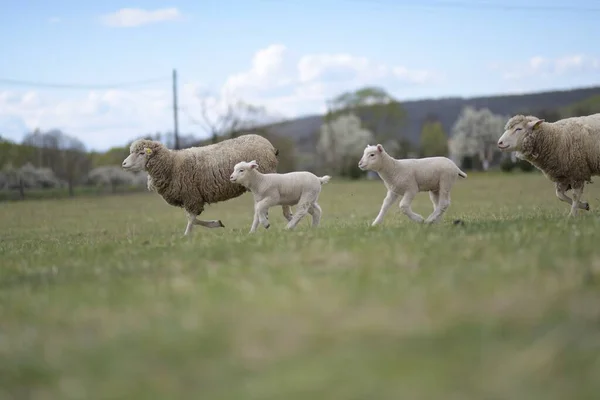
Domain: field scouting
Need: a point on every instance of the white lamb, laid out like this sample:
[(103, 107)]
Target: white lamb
[(408, 177), (300, 187)]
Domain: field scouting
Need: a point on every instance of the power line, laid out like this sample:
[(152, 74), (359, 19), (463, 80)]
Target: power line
[(477, 5), (16, 82), (466, 5)]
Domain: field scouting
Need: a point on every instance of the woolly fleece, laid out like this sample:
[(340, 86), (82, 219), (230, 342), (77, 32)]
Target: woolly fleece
[(566, 151), (193, 177)]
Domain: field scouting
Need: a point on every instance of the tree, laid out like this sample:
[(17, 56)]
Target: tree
[(378, 111), (27, 177), (549, 115), (286, 147), (434, 141), (114, 176), (341, 143), (224, 118), (113, 156), (475, 134)]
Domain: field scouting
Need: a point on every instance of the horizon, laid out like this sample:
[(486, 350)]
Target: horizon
[(285, 57)]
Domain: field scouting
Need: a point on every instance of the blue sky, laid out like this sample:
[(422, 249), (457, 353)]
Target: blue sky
[(304, 52)]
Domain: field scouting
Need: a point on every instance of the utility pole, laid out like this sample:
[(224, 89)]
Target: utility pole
[(176, 123)]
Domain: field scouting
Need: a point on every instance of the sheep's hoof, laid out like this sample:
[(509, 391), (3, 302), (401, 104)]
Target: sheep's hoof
[(267, 226), (586, 206), (221, 224), (458, 222)]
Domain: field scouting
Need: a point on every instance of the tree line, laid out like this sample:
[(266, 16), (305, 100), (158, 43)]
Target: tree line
[(369, 115)]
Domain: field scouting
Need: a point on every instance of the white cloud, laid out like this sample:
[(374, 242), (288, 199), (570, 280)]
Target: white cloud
[(544, 67), (296, 85), (100, 118), (286, 84), (268, 70), (133, 17)]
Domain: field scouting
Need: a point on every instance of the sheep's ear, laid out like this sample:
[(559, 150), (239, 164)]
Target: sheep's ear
[(380, 148), (535, 124), (148, 150), (253, 164)]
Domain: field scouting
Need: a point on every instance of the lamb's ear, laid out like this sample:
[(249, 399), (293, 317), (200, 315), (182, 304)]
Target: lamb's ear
[(535, 124), (380, 148), (253, 164)]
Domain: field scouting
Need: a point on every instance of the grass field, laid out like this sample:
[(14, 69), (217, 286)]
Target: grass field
[(102, 298)]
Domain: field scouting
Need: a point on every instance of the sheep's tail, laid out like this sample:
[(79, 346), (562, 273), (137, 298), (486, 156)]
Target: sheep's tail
[(324, 179), (461, 174), (276, 152)]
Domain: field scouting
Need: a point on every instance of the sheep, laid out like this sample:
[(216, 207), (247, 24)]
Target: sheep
[(566, 151), (270, 189), (407, 177), (194, 177)]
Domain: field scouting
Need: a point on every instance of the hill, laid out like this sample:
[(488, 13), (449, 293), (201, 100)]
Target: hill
[(446, 110)]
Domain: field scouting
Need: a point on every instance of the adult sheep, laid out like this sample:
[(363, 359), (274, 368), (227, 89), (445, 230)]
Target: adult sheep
[(194, 177), (566, 151)]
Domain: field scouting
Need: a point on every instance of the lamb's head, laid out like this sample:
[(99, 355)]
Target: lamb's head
[(516, 130), (140, 152), (242, 172), (372, 158)]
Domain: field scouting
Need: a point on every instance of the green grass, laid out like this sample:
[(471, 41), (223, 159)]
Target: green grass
[(104, 298)]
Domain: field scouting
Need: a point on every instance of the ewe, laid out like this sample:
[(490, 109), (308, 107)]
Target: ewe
[(193, 177), (300, 187), (408, 177), (566, 151)]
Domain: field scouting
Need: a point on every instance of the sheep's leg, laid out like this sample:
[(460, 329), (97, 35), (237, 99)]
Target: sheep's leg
[(315, 213), (190, 224), (211, 223), (262, 209), (434, 195), (443, 202), (287, 212), (577, 192), (560, 193), (389, 199), (301, 211), (407, 210), (254, 221)]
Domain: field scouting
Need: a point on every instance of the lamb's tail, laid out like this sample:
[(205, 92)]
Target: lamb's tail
[(324, 179), (461, 174)]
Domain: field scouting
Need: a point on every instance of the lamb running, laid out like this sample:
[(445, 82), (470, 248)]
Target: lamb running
[(196, 176), (271, 189), (566, 151), (408, 177)]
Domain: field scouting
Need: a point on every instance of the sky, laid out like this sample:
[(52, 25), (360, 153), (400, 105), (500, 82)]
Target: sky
[(102, 71)]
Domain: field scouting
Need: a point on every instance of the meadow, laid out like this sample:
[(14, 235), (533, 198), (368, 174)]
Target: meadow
[(103, 298)]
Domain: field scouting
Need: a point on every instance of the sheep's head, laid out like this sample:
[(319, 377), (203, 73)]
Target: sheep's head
[(371, 159), (241, 171), (516, 130), (140, 152)]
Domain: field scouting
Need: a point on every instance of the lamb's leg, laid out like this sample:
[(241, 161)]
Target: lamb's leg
[(434, 195), (254, 221), (443, 202), (315, 213), (262, 209), (577, 192), (301, 211), (405, 207), (560, 193), (287, 212), (389, 199)]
